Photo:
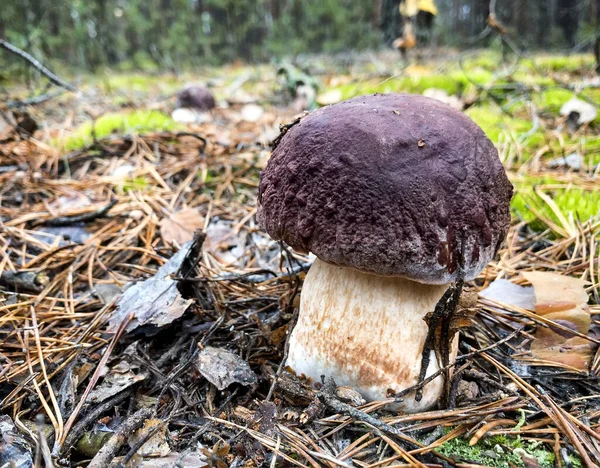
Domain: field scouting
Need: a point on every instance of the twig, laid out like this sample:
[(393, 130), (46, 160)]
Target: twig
[(24, 281), (90, 417), (327, 396), (110, 449), (32, 101), (84, 218), (443, 311), (37, 65), (138, 445), (43, 443), (459, 359), (94, 378)]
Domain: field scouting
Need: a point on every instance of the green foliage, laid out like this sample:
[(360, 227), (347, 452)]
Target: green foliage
[(553, 99), (123, 123), (529, 206), (563, 63), (136, 184), (501, 451)]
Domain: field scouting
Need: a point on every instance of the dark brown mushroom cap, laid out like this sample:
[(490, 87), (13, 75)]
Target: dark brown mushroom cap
[(196, 97), (389, 184)]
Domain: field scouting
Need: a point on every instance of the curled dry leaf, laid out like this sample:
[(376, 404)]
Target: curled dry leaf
[(222, 368), (156, 301), (181, 225), (563, 300)]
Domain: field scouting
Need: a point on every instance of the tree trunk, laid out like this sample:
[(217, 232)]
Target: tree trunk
[(391, 24), (568, 19), (522, 20)]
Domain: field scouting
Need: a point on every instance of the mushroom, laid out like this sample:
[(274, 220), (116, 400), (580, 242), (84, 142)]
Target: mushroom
[(196, 97), (397, 196)]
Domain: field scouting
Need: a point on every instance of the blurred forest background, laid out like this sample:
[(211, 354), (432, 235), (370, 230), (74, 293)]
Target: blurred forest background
[(169, 34)]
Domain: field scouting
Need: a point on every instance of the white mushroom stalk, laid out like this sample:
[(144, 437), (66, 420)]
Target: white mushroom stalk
[(367, 332)]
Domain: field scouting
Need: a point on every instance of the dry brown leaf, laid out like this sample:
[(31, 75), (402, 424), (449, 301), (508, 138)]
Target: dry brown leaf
[(554, 292), (155, 446), (181, 225), (563, 300)]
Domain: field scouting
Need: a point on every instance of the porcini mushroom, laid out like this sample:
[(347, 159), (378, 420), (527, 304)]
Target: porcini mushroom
[(395, 194)]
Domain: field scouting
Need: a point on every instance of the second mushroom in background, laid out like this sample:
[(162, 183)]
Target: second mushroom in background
[(398, 196)]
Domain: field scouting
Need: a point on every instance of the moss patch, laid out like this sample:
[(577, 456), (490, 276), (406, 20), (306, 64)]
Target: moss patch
[(138, 83), (500, 451), (138, 121), (527, 205)]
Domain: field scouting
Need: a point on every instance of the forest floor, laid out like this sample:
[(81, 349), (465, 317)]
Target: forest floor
[(145, 314)]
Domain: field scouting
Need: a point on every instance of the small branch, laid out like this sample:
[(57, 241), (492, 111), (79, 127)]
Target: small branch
[(327, 396), (84, 218), (398, 396), (37, 65), (138, 445), (32, 101), (106, 454), (24, 281), (92, 416)]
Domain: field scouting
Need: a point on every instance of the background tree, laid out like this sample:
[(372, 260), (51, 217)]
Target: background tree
[(172, 34)]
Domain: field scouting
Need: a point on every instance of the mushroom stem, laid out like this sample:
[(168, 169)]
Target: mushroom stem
[(366, 331)]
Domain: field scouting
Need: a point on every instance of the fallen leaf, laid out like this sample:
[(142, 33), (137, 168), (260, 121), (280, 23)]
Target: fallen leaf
[(92, 441), (556, 297), (265, 418), (223, 368), (572, 161), (181, 225), (554, 292), (507, 292), (115, 381), (563, 300), (64, 234), (155, 446), (106, 292), (155, 301), (583, 112)]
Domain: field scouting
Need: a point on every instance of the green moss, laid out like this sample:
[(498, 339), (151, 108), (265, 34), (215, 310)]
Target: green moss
[(496, 123), (552, 99), (501, 451), (487, 60), (571, 201), (563, 63), (121, 122), (136, 184), (486, 452), (139, 83), (452, 83)]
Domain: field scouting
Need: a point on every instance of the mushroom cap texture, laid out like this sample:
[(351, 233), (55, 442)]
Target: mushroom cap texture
[(389, 184), (196, 97)]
